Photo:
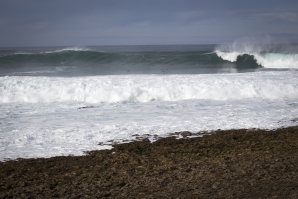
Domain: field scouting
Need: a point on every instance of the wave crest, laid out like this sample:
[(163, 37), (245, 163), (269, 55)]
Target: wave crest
[(75, 49)]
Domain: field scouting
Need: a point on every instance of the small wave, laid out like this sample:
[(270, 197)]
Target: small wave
[(72, 49), (22, 53), (76, 49), (32, 72), (66, 56)]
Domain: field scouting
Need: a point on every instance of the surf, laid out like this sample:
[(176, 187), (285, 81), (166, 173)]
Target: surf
[(146, 88), (267, 56)]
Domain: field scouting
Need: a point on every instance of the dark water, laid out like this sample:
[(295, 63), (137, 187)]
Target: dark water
[(114, 60)]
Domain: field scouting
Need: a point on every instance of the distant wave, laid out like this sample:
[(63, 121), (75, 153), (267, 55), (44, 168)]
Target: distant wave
[(56, 57), (145, 88), (76, 49)]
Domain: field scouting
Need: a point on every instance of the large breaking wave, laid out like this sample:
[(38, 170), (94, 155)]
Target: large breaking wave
[(268, 56)]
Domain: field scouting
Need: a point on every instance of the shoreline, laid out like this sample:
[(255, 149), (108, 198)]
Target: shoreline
[(247, 163)]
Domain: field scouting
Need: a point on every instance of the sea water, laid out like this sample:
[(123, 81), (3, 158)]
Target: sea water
[(66, 100)]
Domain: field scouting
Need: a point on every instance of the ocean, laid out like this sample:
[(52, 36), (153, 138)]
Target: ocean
[(66, 100)]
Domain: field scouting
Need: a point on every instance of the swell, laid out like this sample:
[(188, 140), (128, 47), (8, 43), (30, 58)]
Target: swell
[(244, 56), (71, 57), (88, 62), (57, 57)]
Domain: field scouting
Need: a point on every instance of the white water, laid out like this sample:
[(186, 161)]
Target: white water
[(146, 88), (40, 116)]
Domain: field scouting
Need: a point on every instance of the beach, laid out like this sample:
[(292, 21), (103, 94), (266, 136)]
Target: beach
[(223, 164)]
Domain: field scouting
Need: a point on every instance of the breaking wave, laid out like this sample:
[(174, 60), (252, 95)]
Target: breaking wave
[(267, 60), (146, 88), (267, 56)]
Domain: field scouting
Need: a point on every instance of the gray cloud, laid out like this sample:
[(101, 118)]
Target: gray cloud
[(99, 22)]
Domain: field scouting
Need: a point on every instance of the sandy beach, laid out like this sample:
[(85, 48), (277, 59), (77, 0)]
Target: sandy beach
[(226, 164)]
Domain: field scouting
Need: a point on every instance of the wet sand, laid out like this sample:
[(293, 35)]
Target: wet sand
[(226, 164)]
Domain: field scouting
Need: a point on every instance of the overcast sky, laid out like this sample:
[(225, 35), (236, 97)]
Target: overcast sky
[(133, 22)]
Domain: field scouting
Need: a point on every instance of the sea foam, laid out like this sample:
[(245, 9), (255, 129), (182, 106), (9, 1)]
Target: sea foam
[(146, 88)]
